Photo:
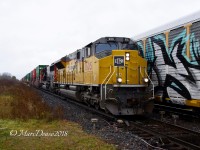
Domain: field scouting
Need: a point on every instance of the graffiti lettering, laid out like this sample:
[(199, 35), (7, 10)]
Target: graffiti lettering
[(175, 75)]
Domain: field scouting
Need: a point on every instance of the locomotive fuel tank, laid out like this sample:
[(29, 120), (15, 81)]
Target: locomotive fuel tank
[(71, 94)]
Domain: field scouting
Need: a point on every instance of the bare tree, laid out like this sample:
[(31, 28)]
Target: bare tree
[(6, 75)]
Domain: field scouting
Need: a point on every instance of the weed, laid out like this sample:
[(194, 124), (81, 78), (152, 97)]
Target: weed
[(18, 101)]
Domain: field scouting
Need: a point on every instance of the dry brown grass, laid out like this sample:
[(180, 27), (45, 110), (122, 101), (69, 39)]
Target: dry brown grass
[(21, 108), (18, 101)]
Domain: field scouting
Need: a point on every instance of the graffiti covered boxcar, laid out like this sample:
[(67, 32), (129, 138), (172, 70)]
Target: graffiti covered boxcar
[(173, 54)]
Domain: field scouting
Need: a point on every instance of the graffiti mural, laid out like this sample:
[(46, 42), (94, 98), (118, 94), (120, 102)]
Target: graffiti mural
[(175, 75)]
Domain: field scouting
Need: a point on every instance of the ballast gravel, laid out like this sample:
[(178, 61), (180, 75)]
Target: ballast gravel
[(107, 130), (104, 129)]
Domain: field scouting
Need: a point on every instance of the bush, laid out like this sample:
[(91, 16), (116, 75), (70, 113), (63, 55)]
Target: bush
[(18, 101)]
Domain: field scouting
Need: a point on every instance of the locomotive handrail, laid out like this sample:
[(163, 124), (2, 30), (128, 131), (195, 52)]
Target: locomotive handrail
[(151, 83), (148, 78), (141, 72), (105, 79), (109, 80)]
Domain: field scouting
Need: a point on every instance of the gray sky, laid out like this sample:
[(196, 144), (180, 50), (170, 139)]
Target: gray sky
[(34, 32)]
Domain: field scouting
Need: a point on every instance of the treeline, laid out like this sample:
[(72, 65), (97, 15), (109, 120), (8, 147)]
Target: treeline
[(7, 76)]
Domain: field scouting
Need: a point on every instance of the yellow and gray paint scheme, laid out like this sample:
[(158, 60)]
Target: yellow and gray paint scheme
[(108, 73)]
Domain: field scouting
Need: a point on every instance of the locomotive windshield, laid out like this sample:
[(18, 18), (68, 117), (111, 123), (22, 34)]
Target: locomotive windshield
[(100, 47), (129, 46), (106, 46)]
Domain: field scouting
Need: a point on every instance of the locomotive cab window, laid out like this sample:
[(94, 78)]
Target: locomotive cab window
[(106, 46), (78, 55), (129, 46), (88, 51)]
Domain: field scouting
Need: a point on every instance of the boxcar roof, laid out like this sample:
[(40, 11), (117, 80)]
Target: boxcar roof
[(169, 26)]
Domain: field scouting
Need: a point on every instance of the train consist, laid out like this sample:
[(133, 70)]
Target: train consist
[(108, 74), (173, 55)]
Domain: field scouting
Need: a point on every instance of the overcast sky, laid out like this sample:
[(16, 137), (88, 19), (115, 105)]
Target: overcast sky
[(34, 32)]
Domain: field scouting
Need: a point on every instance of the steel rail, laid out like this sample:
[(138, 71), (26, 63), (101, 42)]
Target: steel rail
[(172, 137)]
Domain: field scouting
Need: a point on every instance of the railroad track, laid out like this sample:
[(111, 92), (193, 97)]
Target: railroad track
[(162, 135), (96, 111), (154, 133), (188, 113)]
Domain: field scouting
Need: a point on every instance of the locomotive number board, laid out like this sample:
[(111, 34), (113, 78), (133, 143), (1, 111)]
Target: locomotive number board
[(118, 60)]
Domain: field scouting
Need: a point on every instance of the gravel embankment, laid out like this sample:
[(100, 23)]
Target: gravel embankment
[(107, 131)]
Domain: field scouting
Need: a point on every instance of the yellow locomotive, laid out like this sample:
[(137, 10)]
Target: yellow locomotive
[(109, 74)]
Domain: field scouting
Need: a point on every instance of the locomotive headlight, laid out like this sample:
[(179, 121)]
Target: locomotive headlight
[(127, 54), (127, 58), (119, 80), (146, 80)]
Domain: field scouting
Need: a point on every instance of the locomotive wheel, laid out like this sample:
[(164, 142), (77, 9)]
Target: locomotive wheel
[(97, 106), (88, 104), (92, 102), (106, 111), (82, 98)]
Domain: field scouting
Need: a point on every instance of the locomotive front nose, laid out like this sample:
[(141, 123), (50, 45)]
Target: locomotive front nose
[(129, 68)]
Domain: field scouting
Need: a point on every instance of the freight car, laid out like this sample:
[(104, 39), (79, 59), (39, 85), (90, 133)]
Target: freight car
[(26, 79), (35, 77), (173, 54), (39, 77), (109, 74)]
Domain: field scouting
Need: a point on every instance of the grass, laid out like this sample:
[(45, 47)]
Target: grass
[(74, 139), (5, 106), (23, 111), (18, 101)]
